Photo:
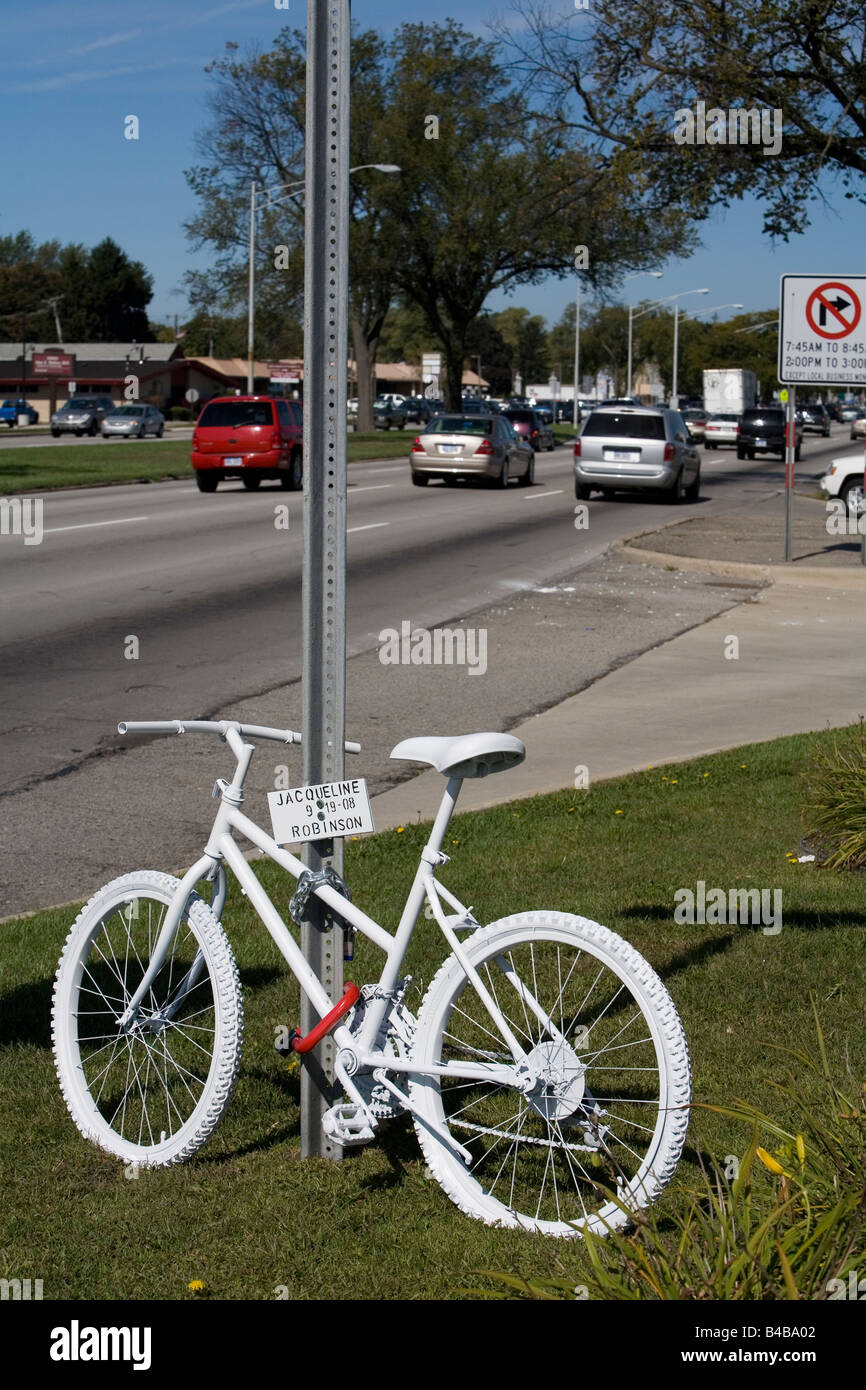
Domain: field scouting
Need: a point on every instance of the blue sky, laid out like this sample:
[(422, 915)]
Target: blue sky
[(77, 71)]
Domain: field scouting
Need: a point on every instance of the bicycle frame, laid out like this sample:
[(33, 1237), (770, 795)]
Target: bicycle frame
[(222, 849)]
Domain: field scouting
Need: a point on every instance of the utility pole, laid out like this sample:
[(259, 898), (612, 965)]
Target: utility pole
[(250, 310), (323, 592)]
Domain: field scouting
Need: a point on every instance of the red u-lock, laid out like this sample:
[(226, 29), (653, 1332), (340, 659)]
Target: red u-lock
[(325, 1025)]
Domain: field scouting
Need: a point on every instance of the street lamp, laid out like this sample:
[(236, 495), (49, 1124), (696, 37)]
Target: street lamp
[(657, 275), (262, 198), (677, 297), (713, 309)]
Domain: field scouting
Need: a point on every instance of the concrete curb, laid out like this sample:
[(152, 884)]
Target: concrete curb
[(810, 576)]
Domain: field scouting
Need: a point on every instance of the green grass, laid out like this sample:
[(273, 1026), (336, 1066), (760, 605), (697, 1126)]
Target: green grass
[(247, 1215), (116, 461)]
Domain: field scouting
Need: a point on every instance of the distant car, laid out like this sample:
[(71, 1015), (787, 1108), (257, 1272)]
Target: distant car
[(81, 415), (633, 448), (547, 411), (858, 425), (460, 445), (529, 424), (417, 410), (833, 409), (815, 417), (10, 410), (762, 431), (721, 429), (133, 422), (251, 438), (696, 422), (846, 479), (388, 413), (848, 412), (615, 402)]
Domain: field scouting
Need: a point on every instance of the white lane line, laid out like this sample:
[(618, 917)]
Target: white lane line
[(372, 527), (374, 487), (535, 496), (88, 525)]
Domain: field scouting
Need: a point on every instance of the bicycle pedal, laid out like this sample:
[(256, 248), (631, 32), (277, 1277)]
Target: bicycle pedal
[(347, 1124)]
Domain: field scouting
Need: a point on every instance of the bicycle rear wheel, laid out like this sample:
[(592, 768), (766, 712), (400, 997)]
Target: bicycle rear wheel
[(605, 1120), (152, 1093)]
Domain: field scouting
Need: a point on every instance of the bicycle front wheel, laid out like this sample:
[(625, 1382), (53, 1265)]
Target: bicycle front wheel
[(154, 1091), (598, 1123)]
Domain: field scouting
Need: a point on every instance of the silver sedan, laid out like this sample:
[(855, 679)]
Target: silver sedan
[(133, 422), (461, 446)]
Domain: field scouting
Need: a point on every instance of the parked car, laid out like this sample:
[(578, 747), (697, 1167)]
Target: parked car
[(858, 425), (388, 414), (455, 445), (846, 479), (133, 422), (696, 423), (721, 429), (251, 438), (10, 410), (81, 415), (815, 417), (417, 410), (546, 410), (762, 431), (636, 447), (530, 426)]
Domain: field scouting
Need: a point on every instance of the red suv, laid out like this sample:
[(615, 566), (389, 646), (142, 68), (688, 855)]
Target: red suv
[(248, 437)]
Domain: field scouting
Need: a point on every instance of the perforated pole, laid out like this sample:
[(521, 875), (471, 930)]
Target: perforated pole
[(324, 560)]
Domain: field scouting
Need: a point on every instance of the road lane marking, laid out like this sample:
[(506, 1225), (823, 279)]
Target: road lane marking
[(374, 487), (88, 525), (372, 527), (534, 496)]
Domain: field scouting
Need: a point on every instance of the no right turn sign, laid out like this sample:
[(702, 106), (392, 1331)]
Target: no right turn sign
[(822, 332)]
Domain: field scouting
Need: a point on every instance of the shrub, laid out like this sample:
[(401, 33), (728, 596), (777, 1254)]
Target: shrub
[(783, 1238), (834, 813), (179, 412)]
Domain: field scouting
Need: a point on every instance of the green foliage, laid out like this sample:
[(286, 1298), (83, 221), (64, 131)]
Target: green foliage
[(737, 1235), (101, 295), (834, 814), (619, 79)]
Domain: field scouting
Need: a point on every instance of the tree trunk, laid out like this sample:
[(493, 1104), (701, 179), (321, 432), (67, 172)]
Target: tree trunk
[(453, 355), (365, 367)]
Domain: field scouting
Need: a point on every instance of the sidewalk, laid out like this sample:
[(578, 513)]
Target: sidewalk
[(790, 660)]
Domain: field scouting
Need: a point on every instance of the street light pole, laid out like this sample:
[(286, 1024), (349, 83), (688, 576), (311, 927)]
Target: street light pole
[(576, 413), (250, 309), (656, 275)]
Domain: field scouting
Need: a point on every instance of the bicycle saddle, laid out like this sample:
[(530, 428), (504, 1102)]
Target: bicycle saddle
[(465, 755)]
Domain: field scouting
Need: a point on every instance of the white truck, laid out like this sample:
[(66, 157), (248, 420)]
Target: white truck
[(728, 390)]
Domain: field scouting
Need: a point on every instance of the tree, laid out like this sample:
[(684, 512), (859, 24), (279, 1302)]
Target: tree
[(487, 199), (485, 341), (620, 75), (101, 294)]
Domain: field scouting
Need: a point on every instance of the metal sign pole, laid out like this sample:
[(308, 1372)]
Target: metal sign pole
[(324, 560), (790, 444)]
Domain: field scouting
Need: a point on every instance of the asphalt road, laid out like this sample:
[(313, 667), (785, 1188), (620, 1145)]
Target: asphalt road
[(154, 601)]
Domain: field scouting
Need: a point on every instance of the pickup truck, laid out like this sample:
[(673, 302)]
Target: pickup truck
[(10, 410)]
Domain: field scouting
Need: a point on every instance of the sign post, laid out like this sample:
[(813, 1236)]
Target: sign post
[(789, 400), (822, 342), (323, 598)]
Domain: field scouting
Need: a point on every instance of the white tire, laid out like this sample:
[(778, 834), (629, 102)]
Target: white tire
[(610, 1108), (155, 1094)]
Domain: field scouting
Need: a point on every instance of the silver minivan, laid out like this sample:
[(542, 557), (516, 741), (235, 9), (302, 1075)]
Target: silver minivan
[(636, 447)]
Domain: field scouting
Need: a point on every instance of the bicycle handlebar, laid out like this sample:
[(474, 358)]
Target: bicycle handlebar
[(221, 727)]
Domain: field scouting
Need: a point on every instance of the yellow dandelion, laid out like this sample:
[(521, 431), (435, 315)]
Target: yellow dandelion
[(706, 774), (674, 781), (771, 1163), (399, 830), (195, 1285), (617, 813)]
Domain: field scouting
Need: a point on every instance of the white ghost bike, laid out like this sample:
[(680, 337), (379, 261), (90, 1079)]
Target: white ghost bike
[(546, 1073)]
